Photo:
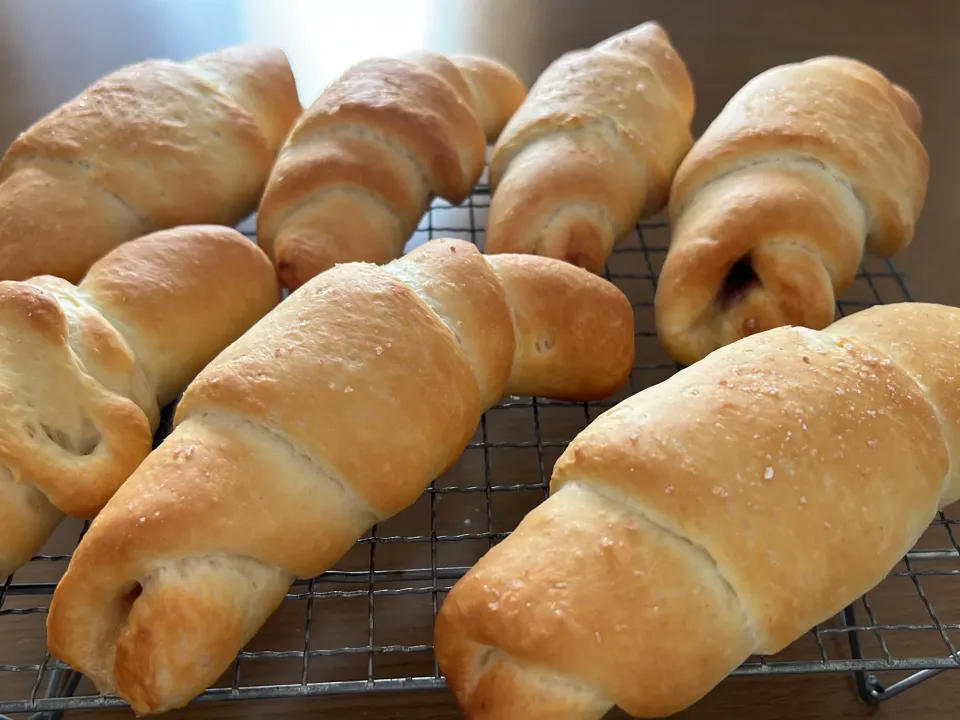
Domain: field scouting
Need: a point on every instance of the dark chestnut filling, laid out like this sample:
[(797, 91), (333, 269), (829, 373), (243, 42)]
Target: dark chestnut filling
[(134, 594), (740, 280)]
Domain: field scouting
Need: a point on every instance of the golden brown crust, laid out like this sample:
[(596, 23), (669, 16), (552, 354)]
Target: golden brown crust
[(823, 159), (570, 609), (444, 68), (497, 91), (823, 109), (340, 171), (85, 369), (673, 519), (583, 165), (413, 107), (574, 330), (260, 80), (53, 221), (68, 435), (326, 378), (755, 251), (380, 142), (615, 121), (469, 296), (151, 145), (168, 525), (651, 40), (335, 411), (180, 296), (920, 338)]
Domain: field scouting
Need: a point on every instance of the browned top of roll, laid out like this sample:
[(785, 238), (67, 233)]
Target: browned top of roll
[(407, 104), (834, 111), (181, 295), (141, 131), (497, 91), (152, 145), (634, 83), (720, 513)]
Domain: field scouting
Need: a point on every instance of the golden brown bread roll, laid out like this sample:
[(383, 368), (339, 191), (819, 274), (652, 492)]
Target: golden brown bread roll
[(333, 413), (719, 514), (85, 369), (808, 164), (592, 149), (496, 90), (363, 163), (150, 146)]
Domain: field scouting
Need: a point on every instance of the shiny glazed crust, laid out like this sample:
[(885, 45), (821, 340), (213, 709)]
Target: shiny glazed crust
[(150, 146), (807, 165), (332, 413), (719, 514)]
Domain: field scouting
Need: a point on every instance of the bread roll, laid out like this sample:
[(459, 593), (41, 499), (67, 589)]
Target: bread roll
[(721, 513), (592, 149), (363, 163), (333, 413), (496, 90), (85, 369), (807, 165), (150, 146)]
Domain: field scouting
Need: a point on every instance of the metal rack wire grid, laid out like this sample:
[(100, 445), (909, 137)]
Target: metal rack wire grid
[(366, 626)]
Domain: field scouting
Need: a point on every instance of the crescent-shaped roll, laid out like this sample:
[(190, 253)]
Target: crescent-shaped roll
[(808, 165), (332, 413), (363, 163), (719, 514), (150, 146), (85, 369), (592, 149)]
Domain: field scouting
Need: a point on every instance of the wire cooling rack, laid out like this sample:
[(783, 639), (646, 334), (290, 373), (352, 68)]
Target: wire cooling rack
[(367, 625)]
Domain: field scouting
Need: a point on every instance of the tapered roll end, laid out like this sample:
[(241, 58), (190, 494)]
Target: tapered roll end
[(344, 227), (758, 249), (187, 624), (569, 197), (259, 79), (574, 331), (910, 110)]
